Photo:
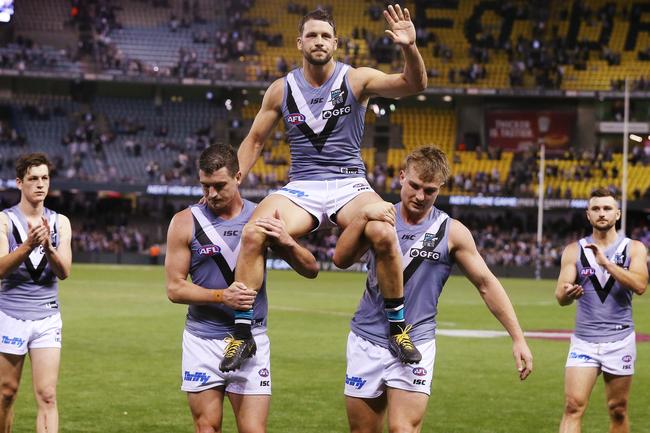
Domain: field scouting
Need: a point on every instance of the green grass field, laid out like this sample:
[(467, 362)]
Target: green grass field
[(121, 358)]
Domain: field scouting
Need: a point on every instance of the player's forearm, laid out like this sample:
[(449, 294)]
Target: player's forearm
[(501, 308), (186, 292), (627, 278), (562, 298), (12, 261), (249, 151), (300, 259), (350, 245), (60, 265), (415, 73)]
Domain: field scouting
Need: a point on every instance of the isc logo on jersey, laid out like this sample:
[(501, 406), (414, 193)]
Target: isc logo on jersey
[(209, 250), (336, 112), (295, 118)]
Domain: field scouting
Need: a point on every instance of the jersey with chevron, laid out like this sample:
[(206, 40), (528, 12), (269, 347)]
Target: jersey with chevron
[(604, 312), (324, 127), (31, 291), (215, 247), (427, 265)]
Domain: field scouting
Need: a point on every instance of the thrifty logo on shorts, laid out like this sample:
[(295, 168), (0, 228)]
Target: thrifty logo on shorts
[(199, 376), (15, 341), (582, 356), (355, 381), (294, 192)]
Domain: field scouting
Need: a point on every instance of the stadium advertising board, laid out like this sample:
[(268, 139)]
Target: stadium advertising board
[(520, 130)]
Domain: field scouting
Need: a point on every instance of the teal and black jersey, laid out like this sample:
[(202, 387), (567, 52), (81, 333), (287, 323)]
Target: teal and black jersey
[(427, 265), (324, 127), (215, 247)]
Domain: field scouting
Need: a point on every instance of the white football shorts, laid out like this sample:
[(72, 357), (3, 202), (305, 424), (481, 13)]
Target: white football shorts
[(18, 336), (200, 367), (323, 198), (371, 369), (617, 357)]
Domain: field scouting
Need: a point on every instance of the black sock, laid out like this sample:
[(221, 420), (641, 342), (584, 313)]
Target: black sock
[(394, 308)]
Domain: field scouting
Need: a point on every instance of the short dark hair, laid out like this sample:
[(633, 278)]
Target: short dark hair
[(318, 15), (603, 192), (35, 159), (218, 156), (431, 163)]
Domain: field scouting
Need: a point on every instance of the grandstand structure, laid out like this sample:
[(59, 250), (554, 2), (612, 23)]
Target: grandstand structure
[(129, 92)]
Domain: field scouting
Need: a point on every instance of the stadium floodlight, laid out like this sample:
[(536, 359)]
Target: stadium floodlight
[(6, 10), (446, 98), (543, 125), (636, 138), (421, 98)]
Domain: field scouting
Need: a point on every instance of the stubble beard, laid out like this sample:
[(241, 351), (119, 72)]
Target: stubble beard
[(317, 62)]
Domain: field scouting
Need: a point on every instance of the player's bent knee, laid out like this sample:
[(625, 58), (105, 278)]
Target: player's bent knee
[(8, 393), (381, 235), (253, 236), (46, 396), (574, 406), (617, 410), (204, 426)]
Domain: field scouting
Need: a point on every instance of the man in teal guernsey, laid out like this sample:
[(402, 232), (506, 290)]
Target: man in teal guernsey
[(376, 384), (323, 105), (203, 241), (34, 254), (602, 272)]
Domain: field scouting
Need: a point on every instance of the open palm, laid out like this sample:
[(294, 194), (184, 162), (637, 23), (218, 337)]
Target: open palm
[(402, 30)]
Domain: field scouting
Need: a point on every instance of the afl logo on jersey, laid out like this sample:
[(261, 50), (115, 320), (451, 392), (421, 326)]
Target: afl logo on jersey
[(209, 250), (295, 118), (419, 371), (587, 272)]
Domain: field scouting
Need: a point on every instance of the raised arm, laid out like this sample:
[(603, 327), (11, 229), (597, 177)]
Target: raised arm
[(10, 261), (463, 249), (566, 290), (636, 277), (177, 267), (298, 257), (369, 82), (59, 258), (265, 120)]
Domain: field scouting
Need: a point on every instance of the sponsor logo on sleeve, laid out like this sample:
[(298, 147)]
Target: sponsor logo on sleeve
[(263, 372)]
